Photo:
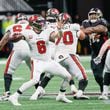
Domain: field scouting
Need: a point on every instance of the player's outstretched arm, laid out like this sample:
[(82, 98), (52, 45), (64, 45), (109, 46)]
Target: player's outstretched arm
[(103, 49)]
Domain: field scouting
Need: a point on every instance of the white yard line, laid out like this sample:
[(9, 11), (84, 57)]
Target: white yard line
[(4, 62), (15, 78)]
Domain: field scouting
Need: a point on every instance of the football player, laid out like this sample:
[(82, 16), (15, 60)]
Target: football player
[(96, 28), (65, 54), (52, 15), (20, 52), (97, 60)]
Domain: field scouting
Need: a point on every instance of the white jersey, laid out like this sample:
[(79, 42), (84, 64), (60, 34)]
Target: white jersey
[(50, 25), (52, 45), (39, 43), (68, 43), (21, 25), (21, 50)]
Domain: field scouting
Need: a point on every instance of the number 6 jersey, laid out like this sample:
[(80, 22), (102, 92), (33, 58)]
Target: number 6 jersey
[(39, 43)]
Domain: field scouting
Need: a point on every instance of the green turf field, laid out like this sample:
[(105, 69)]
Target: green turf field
[(48, 102)]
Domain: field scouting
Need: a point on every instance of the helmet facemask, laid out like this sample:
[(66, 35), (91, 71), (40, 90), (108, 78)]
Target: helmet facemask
[(38, 25), (93, 17), (37, 22), (94, 14)]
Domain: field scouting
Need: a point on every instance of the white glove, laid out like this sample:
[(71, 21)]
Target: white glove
[(97, 60)]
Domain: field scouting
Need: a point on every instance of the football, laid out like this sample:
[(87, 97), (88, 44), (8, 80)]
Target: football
[(16, 37)]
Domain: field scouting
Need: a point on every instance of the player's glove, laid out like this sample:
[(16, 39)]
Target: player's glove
[(97, 60)]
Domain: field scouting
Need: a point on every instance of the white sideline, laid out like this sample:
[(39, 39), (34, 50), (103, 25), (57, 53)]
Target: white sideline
[(15, 78), (4, 62)]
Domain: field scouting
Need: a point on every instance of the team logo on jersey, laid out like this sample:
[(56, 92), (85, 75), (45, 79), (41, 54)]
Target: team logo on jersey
[(60, 57)]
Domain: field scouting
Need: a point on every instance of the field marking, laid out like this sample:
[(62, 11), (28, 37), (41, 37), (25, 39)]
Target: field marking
[(4, 62), (15, 78)]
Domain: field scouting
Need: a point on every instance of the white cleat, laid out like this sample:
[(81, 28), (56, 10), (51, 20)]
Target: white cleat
[(42, 93), (14, 100), (5, 96), (82, 97), (79, 95), (63, 99), (103, 97), (34, 96), (38, 93)]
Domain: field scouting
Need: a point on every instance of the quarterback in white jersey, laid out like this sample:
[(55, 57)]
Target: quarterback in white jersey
[(20, 52), (40, 59), (66, 52)]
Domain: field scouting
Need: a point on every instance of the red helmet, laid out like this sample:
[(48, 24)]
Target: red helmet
[(53, 12), (37, 21), (21, 16), (64, 17)]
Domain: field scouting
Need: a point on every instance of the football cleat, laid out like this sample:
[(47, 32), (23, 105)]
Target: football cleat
[(34, 96), (42, 93), (79, 95), (38, 93), (5, 96), (62, 98), (103, 97), (14, 100)]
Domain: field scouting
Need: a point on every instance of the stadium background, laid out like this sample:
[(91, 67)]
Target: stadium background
[(78, 9)]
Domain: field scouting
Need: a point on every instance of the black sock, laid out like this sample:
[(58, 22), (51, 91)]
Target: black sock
[(44, 81), (82, 84), (71, 82), (42, 75), (36, 85), (19, 92), (62, 90), (41, 78), (99, 80), (7, 81), (107, 79)]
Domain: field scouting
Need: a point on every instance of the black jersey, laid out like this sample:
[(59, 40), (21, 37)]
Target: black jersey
[(96, 43)]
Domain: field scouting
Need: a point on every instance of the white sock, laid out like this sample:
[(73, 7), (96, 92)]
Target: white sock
[(61, 93), (16, 94), (73, 88), (105, 90), (27, 85)]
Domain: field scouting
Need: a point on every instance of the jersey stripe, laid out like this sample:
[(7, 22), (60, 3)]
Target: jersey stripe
[(79, 65), (8, 62), (32, 68)]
